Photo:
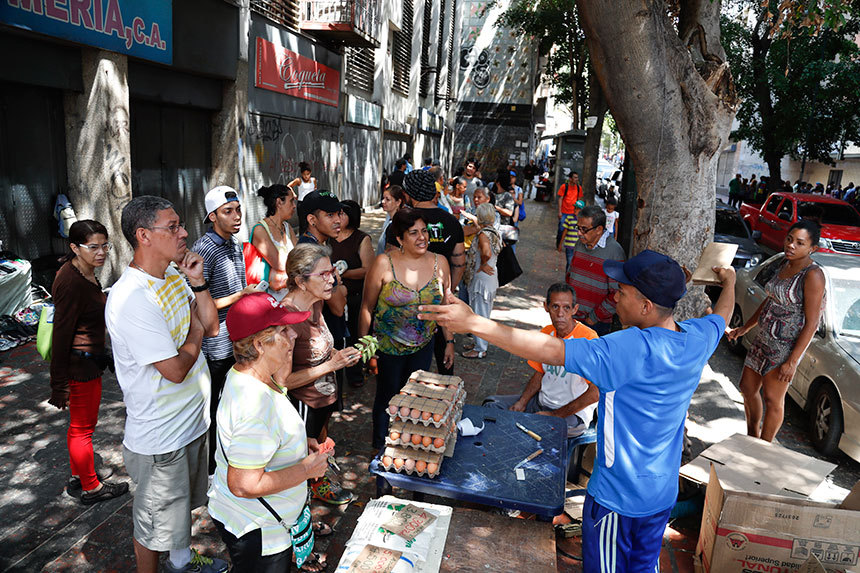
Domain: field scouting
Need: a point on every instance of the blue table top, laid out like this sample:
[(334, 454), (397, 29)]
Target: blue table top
[(482, 467)]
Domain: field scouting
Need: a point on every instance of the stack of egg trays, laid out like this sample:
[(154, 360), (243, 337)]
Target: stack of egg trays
[(401, 427)]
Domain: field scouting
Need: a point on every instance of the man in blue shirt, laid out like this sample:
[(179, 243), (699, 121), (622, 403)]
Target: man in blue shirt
[(646, 375)]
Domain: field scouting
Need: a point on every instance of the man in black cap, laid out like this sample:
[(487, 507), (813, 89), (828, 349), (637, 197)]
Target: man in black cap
[(446, 239), (646, 375)]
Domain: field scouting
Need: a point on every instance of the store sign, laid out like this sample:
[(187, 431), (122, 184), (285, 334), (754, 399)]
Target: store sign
[(131, 27), (363, 112), (430, 122), (284, 71)]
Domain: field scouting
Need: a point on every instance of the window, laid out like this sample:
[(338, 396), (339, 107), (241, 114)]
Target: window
[(788, 208), (772, 204), (401, 51), (729, 223), (767, 271), (424, 83), (440, 50), (360, 68), (284, 12)]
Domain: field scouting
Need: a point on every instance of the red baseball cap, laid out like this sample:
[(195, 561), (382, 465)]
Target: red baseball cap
[(258, 311)]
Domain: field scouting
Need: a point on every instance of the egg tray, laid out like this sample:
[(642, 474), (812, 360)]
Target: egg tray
[(396, 452), (446, 394), (421, 430), (434, 378), (436, 407)]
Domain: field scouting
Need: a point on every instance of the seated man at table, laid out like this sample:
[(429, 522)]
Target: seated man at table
[(552, 390)]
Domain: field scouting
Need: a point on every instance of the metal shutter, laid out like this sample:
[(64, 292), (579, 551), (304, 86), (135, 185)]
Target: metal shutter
[(359, 68), (401, 51), (424, 83), (449, 95)]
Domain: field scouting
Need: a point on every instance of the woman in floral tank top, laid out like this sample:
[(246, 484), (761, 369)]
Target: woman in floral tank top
[(397, 283)]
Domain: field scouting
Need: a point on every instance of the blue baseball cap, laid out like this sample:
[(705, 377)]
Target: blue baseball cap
[(657, 276)]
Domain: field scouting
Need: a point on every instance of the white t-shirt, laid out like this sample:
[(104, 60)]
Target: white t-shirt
[(148, 320), (258, 428), (558, 387), (610, 220)]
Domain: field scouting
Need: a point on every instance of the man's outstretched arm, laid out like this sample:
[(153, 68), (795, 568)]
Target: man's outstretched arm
[(531, 345)]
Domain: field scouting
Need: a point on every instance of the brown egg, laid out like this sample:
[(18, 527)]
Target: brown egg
[(405, 437), (404, 411), (438, 443), (415, 413), (432, 467), (426, 440), (420, 466), (392, 409), (386, 461), (426, 415), (416, 439), (394, 435), (437, 417), (409, 464), (398, 463)]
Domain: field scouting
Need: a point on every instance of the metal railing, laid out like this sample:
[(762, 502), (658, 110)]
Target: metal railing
[(360, 14)]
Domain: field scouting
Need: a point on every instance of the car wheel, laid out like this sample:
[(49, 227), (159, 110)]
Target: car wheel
[(825, 419), (736, 321)]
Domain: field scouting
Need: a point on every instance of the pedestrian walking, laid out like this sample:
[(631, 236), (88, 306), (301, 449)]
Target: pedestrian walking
[(78, 357), (157, 323), (735, 191), (570, 192), (787, 321), (224, 270)]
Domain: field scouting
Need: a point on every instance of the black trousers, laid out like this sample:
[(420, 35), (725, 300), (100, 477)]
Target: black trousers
[(245, 553), (394, 371), (218, 370)]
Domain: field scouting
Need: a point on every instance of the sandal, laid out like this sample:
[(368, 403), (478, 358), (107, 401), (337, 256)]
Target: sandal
[(469, 346), (473, 354), (322, 529), (315, 563)]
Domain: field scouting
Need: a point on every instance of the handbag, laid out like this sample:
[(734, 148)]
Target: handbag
[(45, 334), (507, 266), (522, 215), (256, 267)]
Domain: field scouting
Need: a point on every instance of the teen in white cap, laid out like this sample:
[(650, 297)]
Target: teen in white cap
[(224, 270)]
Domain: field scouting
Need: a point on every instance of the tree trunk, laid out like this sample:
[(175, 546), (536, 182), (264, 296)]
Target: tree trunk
[(673, 101), (597, 108), (772, 153)]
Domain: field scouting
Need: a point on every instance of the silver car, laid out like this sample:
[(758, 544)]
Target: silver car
[(827, 382)]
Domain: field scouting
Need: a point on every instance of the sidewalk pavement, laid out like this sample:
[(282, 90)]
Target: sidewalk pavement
[(46, 529)]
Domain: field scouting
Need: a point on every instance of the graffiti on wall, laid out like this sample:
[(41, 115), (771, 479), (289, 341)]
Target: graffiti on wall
[(494, 146), (361, 174), (495, 64)]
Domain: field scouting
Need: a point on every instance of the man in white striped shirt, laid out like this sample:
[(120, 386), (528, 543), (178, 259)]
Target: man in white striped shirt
[(224, 270)]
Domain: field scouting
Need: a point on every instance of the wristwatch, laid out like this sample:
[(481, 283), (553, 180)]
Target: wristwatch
[(449, 341), (200, 288)]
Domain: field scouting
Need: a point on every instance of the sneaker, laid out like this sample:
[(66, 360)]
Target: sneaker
[(74, 485), (199, 564), (108, 491), (330, 492)]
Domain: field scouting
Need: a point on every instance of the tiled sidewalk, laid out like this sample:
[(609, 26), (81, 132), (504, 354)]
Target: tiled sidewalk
[(45, 529)]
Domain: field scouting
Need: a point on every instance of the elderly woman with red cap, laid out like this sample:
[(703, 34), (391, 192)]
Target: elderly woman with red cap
[(264, 457)]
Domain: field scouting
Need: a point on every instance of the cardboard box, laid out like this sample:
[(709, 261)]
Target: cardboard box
[(755, 466), (746, 532)]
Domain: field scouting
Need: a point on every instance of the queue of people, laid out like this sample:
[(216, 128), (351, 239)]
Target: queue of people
[(229, 386)]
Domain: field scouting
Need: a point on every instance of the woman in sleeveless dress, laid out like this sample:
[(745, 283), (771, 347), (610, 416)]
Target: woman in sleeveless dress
[(353, 246), (787, 319), (274, 237), (397, 283), (303, 184)]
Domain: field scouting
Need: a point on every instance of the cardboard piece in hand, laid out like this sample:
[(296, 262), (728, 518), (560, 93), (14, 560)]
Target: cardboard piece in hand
[(714, 255)]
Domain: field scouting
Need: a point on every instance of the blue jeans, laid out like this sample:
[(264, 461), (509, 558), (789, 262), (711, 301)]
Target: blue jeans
[(393, 373)]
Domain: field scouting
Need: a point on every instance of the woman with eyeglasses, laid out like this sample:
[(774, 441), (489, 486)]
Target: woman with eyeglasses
[(312, 385), (78, 356)]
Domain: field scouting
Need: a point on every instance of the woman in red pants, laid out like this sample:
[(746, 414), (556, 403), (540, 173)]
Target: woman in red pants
[(78, 355)]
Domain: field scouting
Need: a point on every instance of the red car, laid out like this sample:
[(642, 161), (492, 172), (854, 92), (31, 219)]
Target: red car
[(840, 222)]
